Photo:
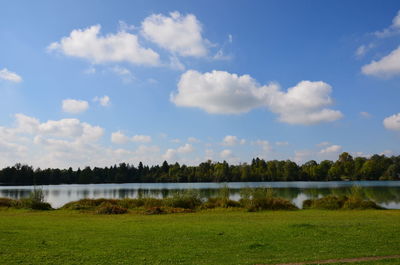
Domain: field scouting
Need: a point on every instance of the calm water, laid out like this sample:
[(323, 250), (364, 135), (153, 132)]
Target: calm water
[(385, 193)]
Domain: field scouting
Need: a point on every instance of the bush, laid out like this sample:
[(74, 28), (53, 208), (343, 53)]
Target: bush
[(355, 201), (109, 208), (87, 204), (31, 204), (263, 199), (219, 203), (154, 210), (329, 202), (6, 202), (186, 200), (34, 202), (357, 204)]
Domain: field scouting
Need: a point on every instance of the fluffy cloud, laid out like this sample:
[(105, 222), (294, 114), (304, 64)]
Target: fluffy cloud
[(393, 29), (64, 128), (173, 154), (7, 75), (74, 106), (331, 149), (231, 140), (64, 143), (104, 101), (176, 33), (226, 153), (120, 47), (120, 138), (224, 93), (392, 122), (388, 66)]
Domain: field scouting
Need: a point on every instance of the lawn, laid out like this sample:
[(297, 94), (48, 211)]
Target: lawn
[(206, 237)]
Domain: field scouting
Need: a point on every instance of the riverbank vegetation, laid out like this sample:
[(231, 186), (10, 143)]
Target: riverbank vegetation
[(252, 200), (210, 236), (377, 167)]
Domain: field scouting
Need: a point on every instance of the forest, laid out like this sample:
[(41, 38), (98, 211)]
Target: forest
[(377, 167)]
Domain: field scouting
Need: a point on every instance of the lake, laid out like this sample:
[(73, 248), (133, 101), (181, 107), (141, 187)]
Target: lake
[(385, 193)]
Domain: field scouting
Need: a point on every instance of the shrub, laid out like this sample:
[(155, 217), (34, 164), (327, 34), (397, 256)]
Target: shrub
[(357, 204), (31, 204), (109, 208), (186, 200), (6, 202), (263, 199), (154, 210), (87, 204), (219, 202), (355, 200), (34, 202), (329, 202)]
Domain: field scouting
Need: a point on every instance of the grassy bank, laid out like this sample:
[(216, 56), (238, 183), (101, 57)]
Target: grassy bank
[(218, 236)]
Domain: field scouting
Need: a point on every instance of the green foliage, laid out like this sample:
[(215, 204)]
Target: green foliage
[(263, 199), (355, 200), (329, 202), (378, 167), (87, 204), (109, 208), (189, 199)]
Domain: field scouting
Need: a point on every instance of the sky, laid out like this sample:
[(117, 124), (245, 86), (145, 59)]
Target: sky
[(89, 83)]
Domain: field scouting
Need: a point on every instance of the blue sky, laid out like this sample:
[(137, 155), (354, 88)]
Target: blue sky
[(85, 83)]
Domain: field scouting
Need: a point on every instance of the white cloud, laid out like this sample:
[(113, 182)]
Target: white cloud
[(387, 66), (387, 152), (74, 106), (104, 101), (393, 29), (64, 143), (220, 92), (392, 122), (230, 38), (120, 47), (226, 153), (209, 154), (331, 149), (141, 138), (176, 33), (363, 49), (7, 75), (120, 138), (265, 145), (220, 55), (176, 64), (231, 140), (124, 73), (173, 154)]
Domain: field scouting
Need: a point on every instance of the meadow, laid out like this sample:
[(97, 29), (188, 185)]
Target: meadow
[(211, 236)]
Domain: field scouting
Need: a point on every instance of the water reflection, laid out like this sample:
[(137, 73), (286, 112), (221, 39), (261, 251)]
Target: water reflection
[(385, 193)]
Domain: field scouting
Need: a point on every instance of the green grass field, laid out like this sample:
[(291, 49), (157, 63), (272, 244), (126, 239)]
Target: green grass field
[(206, 237)]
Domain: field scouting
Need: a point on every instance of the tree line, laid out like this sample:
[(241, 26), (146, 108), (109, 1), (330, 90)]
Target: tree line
[(377, 167)]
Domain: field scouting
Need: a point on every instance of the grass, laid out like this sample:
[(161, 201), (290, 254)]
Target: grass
[(217, 236)]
